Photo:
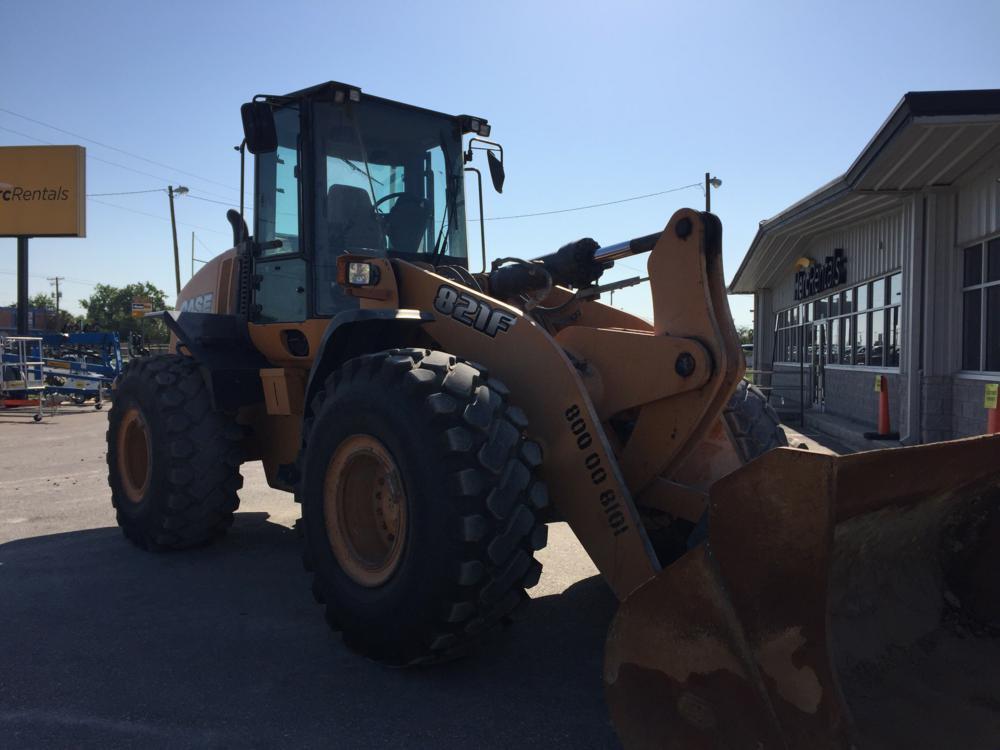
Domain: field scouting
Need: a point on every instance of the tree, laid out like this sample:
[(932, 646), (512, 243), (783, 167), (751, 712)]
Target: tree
[(745, 333), (109, 308), (42, 301)]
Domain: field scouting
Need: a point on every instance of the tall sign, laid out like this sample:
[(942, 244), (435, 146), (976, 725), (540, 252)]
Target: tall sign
[(43, 191), (42, 194)]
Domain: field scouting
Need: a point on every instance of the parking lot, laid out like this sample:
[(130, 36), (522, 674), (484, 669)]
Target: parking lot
[(104, 645)]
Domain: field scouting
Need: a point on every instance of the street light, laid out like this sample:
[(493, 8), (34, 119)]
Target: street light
[(172, 191), (710, 182)]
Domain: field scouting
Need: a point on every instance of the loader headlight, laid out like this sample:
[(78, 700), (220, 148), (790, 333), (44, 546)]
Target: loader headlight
[(356, 272), (361, 274)]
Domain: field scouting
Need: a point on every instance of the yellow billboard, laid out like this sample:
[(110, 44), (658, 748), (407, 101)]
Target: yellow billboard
[(43, 191)]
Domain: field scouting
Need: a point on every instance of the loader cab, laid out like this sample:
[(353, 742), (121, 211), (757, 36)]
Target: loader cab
[(349, 173)]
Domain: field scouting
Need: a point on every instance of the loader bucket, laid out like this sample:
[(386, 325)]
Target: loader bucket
[(838, 601)]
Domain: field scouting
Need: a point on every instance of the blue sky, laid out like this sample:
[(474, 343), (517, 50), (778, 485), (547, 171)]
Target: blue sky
[(592, 102)]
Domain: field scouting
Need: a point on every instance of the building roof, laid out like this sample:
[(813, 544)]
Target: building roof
[(930, 139)]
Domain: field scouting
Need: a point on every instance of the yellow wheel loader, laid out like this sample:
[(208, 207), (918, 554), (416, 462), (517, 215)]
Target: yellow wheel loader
[(431, 419)]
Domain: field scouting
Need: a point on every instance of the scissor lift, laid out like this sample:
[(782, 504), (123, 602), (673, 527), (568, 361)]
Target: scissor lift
[(22, 375)]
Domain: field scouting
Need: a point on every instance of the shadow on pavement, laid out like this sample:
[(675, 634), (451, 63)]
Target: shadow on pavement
[(106, 646)]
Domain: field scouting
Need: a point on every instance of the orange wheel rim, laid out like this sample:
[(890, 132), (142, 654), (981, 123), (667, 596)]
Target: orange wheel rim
[(364, 505), (135, 455)]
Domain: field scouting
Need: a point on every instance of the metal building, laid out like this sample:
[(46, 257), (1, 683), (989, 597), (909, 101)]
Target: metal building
[(891, 269)]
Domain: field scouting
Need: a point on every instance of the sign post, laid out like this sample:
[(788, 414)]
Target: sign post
[(22, 286), (42, 194)]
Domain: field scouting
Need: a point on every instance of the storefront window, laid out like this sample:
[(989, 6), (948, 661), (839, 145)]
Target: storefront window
[(877, 336), (981, 307), (973, 273), (847, 353), (878, 293), (895, 289), (860, 339), (871, 337), (892, 353), (993, 269), (848, 304)]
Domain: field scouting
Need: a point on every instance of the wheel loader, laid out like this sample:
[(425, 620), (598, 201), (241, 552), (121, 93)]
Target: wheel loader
[(432, 418)]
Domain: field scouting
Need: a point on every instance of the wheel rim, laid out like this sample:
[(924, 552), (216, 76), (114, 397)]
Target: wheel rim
[(135, 455), (364, 506)]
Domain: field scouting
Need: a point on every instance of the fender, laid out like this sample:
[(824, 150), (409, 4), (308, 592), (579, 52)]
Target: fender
[(352, 333), (228, 360)]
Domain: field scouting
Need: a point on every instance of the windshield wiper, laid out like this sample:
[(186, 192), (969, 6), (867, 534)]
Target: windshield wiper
[(364, 154), (358, 169), (449, 199)]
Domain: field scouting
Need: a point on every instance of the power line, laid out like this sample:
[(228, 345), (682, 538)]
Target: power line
[(81, 282), (115, 148), (221, 203), (155, 216), (592, 205), (130, 192), (104, 161), (198, 239)]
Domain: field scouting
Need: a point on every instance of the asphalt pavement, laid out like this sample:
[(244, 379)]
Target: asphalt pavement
[(105, 646)]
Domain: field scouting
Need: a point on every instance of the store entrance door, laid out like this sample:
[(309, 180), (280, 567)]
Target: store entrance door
[(818, 354)]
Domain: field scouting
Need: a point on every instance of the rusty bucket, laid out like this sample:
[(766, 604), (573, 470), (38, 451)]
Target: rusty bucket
[(837, 602)]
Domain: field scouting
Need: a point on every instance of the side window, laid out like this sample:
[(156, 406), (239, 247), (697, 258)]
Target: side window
[(280, 293), (277, 202)]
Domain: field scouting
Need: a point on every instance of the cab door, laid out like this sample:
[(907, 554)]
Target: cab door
[(280, 287)]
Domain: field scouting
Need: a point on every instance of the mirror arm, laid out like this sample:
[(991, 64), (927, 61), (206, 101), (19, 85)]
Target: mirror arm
[(482, 221), (494, 144)]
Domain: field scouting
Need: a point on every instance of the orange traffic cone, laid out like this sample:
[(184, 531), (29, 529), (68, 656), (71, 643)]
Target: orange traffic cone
[(884, 433)]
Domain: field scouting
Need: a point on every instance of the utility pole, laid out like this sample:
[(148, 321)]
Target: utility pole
[(192, 254), (181, 190), (55, 280), (710, 182), (173, 226)]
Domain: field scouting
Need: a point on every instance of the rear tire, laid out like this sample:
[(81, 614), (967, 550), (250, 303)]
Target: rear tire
[(173, 462), (442, 432)]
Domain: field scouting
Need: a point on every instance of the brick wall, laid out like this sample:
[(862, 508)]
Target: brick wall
[(968, 412), (851, 394), (937, 411)]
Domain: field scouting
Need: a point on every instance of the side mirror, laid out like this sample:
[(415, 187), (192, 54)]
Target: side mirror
[(496, 170), (258, 127)]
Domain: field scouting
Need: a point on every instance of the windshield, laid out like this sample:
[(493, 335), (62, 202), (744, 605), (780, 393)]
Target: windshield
[(389, 182)]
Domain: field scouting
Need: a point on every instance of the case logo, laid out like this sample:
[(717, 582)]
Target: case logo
[(200, 304)]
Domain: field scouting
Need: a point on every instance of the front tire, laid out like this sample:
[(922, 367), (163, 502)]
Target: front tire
[(752, 422), (420, 504), (173, 462)]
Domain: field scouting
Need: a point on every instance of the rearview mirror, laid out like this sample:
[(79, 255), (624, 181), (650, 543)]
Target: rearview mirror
[(496, 171), (258, 127)]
